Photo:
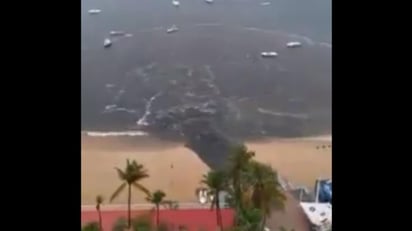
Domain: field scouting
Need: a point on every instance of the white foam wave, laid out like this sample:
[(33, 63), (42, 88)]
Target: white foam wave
[(211, 79), (265, 3), (328, 45), (111, 134), (284, 114), (143, 120), (114, 108), (110, 85), (119, 94), (305, 39), (208, 24)]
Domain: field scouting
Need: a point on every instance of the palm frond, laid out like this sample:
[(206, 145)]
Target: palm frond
[(141, 174), (118, 190), (120, 173), (99, 199), (141, 188)]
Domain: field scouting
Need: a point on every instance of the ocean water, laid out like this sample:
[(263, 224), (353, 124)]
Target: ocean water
[(210, 68)]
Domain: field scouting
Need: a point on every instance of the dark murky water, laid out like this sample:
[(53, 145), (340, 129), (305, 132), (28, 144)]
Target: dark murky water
[(210, 69)]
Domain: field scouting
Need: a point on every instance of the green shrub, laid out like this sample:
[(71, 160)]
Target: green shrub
[(91, 226), (163, 227), (120, 225), (142, 223), (282, 228)]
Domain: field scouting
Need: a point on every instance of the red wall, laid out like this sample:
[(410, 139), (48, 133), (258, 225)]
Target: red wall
[(193, 219)]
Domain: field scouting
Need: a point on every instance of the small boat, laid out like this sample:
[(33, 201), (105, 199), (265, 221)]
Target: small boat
[(107, 43), (117, 33), (94, 11), (176, 3), (209, 1), (172, 29), (269, 54), (293, 44), (265, 3)]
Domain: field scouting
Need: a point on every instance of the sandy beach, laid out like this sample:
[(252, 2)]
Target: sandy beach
[(177, 170)]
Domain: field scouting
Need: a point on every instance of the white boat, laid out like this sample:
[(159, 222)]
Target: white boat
[(94, 11), (107, 42), (293, 44), (117, 33), (269, 54), (172, 29), (265, 3), (209, 1), (176, 3)]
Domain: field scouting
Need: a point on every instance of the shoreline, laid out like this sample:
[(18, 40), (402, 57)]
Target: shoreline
[(136, 134)]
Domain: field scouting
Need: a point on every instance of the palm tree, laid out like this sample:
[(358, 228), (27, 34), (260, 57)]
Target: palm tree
[(238, 162), (156, 198), (267, 194), (215, 180), (131, 175), (99, 201)]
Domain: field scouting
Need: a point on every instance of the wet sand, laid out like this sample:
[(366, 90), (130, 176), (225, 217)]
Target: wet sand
[(178, 171)]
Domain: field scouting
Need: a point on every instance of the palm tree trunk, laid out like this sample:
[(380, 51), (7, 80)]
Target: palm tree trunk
[(237, 198), (100, 220), (129, 203), (218, 212), (262, 228), (157, 216)]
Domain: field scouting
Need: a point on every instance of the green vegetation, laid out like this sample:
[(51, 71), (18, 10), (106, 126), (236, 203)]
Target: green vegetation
[(215, 180), (281, 228), (253, 188), (120, 225), (156, 198), (92, 226), (131, 175), (142, 223)]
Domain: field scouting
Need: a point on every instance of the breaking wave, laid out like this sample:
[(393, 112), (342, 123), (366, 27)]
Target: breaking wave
[(111, 134)]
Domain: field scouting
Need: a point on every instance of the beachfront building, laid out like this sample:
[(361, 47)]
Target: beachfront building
[(319, 215), (319, 212)]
